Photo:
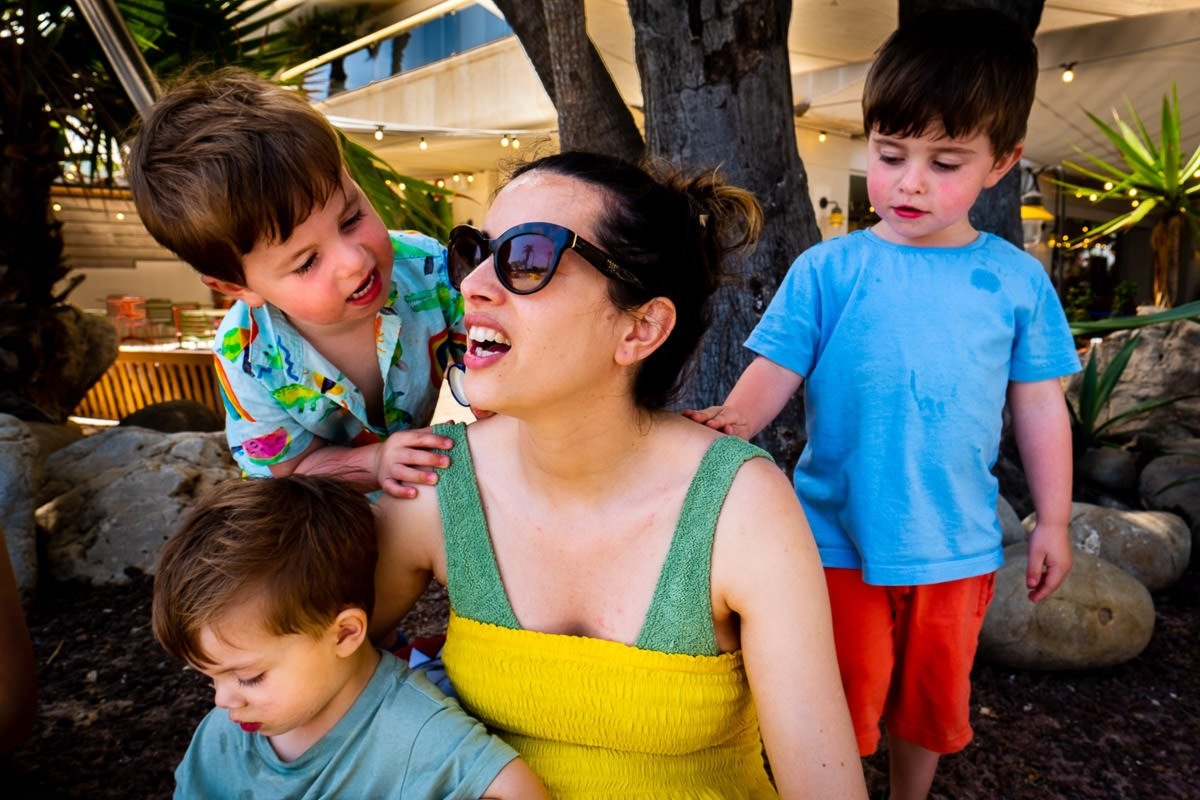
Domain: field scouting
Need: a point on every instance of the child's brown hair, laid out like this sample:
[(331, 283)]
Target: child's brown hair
[(226, 160), (305, 543), (971, 70)]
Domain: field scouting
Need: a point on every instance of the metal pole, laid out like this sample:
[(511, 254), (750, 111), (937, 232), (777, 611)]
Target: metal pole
[(108, 26)]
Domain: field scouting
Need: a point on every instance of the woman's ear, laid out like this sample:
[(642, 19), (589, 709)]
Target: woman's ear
[(234, 290), (649, 327), (350, 627)]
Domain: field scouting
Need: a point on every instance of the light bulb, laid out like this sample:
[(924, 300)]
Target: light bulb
[(1108, 185), (424, 145), (470, 177), (504, 140), (120, 215), (379, 133), (1068, 73), (822, 136), (457, 177), (515, 143)]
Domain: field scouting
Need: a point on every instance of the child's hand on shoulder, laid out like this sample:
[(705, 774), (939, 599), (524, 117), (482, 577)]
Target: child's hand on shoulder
[(720, 418), (408, 457)]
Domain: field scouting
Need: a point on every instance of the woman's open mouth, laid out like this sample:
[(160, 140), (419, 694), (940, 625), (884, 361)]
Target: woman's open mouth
[(485, 342)]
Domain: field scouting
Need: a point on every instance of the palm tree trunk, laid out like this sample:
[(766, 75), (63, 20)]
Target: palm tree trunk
[(1175, 269)]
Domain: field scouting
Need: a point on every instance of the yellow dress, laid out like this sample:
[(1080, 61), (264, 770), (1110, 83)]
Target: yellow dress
[(669, 717)]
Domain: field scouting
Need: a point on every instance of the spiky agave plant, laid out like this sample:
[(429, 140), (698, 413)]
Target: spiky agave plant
[(1158, 180)]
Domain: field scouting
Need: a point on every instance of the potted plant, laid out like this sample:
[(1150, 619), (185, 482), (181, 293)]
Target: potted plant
[(1157, 180)]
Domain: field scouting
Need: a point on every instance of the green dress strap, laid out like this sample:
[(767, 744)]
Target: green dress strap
[(472, 574), (680, 615)]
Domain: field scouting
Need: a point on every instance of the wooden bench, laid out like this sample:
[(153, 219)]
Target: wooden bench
[(141, 378)]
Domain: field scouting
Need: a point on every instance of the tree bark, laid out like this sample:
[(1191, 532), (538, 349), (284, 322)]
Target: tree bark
[(592, 115), (717, 86), (998, 210), (1173, 248)]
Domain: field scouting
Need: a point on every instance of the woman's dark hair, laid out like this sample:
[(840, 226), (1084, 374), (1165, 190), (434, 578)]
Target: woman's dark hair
[(674, 232)]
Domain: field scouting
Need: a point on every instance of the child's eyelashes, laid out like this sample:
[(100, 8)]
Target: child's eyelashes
[(307, 265), (257, 679), (944, 167), (356, 218)]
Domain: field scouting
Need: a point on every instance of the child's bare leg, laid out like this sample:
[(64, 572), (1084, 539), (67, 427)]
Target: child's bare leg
[(910, 769)]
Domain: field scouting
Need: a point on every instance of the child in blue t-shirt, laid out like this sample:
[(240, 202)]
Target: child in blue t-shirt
[(908, 338), (267, 589), (330, 360)]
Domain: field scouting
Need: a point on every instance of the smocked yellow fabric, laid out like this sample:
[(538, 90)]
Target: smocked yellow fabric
[(596, 718), (668, 717)]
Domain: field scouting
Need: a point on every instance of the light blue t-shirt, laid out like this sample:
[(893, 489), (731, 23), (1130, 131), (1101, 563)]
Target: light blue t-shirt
[(280, 391), (402, 738), (907, 353)]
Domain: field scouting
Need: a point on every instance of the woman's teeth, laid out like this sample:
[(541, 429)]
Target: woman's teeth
[(485, 341)]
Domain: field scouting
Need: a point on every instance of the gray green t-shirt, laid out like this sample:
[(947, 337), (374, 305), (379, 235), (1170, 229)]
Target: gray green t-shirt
[(402, 738)]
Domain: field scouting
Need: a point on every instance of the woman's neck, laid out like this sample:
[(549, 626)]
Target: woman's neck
[(586, 452)]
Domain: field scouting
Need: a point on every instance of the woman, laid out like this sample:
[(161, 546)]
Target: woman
[(617, 617)]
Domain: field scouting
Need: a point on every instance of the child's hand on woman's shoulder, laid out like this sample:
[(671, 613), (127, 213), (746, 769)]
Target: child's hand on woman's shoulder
[(407, 457)]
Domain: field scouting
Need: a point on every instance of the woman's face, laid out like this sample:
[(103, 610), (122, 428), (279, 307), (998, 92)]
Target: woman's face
[(554, 347)]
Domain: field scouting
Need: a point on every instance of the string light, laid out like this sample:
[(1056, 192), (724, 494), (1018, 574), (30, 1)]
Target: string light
[(441, 183), (470, 177), (379, 133), (1133, 192), (515, 143), (57, 206), (457, 178), (1108, 185), (1068, 73), (822, 136), (504, 140), (424, 145), (120, 215)]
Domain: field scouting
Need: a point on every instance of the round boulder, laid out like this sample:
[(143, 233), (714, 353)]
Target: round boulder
[(1100, 616)]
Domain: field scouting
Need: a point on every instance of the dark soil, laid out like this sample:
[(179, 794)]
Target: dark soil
[(117, 714)]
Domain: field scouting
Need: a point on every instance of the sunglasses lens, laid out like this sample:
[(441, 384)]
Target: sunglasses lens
[(456, 376), (465, 253), (527, 260)]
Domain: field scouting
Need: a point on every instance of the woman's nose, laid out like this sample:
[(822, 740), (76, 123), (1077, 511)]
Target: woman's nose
[(481, 281)]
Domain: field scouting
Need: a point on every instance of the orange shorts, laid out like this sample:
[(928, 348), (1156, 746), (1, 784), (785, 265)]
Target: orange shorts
[(905, 654)]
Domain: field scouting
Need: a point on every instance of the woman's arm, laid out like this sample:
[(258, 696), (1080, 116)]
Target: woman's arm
[(411, 551), (766, 570)]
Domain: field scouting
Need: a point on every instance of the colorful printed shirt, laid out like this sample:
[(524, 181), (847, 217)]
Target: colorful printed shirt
[(280, 392)]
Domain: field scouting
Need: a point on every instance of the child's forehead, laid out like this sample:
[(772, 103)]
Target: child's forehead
[(934, 136)]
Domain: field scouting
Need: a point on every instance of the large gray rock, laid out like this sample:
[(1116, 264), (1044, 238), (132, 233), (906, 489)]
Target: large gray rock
[(18, 476), (1152, 546), (111, 500), (1110, 467), (1164, 364), (1011, 530), (1100, 616), (1172, 483)]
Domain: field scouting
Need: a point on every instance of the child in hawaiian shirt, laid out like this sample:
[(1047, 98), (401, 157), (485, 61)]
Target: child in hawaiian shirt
[(331, 357)]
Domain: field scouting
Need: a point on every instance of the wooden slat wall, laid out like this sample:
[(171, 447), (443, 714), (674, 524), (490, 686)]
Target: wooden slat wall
[(137, 379), (101, 228)]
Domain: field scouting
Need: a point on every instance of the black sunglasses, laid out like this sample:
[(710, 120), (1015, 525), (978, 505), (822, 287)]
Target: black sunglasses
[(526, 255)]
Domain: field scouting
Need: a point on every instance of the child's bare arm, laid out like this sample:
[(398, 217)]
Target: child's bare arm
[(1043, 432), (757, 398), (404, 458), (516, 782)]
